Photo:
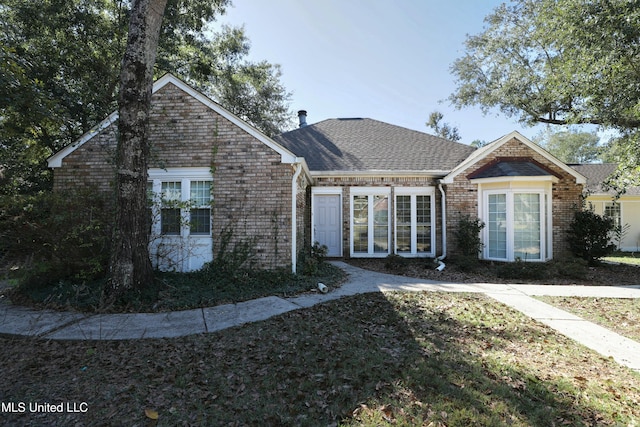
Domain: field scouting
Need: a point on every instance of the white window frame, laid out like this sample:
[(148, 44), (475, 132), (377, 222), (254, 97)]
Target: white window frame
[(541, 186), (185, 176), (617, 208), (370, 192), (413, 192)]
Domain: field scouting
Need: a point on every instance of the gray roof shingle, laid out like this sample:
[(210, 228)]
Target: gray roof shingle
[(361, 144), (510, 168), (597, 173)]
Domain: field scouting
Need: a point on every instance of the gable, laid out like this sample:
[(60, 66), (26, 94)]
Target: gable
[(286, 156), (521, 147)]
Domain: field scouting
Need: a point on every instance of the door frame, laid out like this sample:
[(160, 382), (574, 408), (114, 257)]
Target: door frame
[(327, 191)]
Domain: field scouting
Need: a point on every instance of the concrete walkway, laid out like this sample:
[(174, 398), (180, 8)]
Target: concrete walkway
[(76, 326)]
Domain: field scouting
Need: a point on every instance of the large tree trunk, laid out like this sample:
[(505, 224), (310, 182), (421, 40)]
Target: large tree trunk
[(130, 263)]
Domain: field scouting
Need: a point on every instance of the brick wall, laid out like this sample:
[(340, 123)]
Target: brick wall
[(251, 187), (347, 182), (462, 195)]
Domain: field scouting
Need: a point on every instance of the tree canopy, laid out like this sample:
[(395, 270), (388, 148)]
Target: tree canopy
[(556, 62), (560, 62), (59, 67), (444, 130), (572, 146)]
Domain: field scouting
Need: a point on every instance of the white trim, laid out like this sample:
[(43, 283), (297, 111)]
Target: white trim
[(55, 161), (546, 219), (413, 192), (326, 190), (294, 218), (184, 251), (483, 152), (171, 173), (380, 173), (370, 192), (286, 156)]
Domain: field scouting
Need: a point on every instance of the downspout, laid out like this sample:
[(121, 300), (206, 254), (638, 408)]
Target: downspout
[(443, 201), (294, 226)]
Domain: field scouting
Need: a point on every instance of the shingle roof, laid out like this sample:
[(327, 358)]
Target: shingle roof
[(510, 168), (369, 145), (597, 173)]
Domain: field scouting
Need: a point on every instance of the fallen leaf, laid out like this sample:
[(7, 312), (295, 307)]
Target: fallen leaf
[(151, 414)]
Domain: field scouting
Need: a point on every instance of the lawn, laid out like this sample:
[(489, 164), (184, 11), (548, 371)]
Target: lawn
[(624, 258), (407, 359), (621, 315)]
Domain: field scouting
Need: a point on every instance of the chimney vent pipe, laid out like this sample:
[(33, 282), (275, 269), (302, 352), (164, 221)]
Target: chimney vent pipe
[(302, 117)]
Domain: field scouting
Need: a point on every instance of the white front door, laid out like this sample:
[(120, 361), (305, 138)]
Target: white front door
[(327, 228)]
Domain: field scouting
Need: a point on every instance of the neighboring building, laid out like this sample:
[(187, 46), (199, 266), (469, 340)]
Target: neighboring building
[(625, 210), (362, 187)]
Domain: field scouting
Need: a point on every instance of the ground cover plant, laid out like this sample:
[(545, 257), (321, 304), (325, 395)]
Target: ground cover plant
[(562, 271), (621, 315), (178, 291), (402, 359)]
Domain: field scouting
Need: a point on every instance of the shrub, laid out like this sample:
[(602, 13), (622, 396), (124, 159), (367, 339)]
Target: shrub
[(467, 235), (395, 262), (56, 236), (312, 263), (589, 235)]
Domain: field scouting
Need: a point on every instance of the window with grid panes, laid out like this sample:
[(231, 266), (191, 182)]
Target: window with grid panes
[(200, 218), (170, 222)]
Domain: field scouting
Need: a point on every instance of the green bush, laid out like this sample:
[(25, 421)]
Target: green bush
[(589, 236), (467, 235), (312, 263), (56, 236)]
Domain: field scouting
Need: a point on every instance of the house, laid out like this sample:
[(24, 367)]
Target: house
[(381, 189), (625, 209), (213, 174), (363, 188)]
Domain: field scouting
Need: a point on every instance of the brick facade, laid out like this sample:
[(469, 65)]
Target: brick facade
[(251, 186), (462, 195)]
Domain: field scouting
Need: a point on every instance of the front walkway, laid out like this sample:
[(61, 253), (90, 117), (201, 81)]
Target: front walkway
[(77, 326)]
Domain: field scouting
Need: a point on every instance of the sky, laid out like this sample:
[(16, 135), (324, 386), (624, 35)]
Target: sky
[(387, 60)]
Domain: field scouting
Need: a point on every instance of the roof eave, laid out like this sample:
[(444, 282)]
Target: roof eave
[(379, 173)]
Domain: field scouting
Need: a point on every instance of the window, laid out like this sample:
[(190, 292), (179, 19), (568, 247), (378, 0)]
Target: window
[(200, 220), (370, 221), (497, 226), (170, 198), (517, 225), (612, 210), (180, 206), (526, 226), (414, 222)]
